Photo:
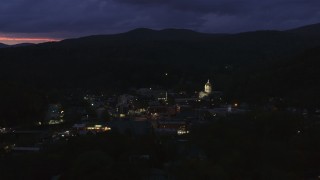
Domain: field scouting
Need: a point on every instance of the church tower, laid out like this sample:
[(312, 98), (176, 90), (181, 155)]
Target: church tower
[(208, 88)]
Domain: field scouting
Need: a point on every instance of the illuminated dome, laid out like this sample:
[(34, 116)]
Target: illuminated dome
[(208, 87)]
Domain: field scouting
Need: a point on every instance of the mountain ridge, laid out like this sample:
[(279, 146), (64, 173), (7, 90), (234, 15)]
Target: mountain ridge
[(16, 45), (103, 56), (181, 34), (308, 30), (3, 45)]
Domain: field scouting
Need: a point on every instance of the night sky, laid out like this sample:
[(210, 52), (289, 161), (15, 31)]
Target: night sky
[(47, 20)]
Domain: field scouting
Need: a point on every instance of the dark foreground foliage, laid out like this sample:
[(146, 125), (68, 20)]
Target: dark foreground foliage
[(259, 145)]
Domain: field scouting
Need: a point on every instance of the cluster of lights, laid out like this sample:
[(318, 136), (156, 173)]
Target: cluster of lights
[(52, 122), (98, 128), (182, 132), (4, 130)]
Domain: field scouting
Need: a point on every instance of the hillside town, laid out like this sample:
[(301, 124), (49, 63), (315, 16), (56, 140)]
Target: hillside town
[(140, 112), (169, 118)]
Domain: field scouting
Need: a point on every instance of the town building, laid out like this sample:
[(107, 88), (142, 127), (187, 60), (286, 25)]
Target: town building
[(207, 90)]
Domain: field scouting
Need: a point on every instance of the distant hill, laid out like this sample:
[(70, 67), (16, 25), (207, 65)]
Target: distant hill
[(16, 45), (178, 46), (310, 30), (22, 45), (140, 57), (144, 34), (3, 45)]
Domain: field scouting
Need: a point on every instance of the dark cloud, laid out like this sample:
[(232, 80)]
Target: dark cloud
[(70, 18), (201, 6)]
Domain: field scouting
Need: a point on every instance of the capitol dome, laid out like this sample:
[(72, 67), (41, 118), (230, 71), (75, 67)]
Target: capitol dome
[(208, 87)]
